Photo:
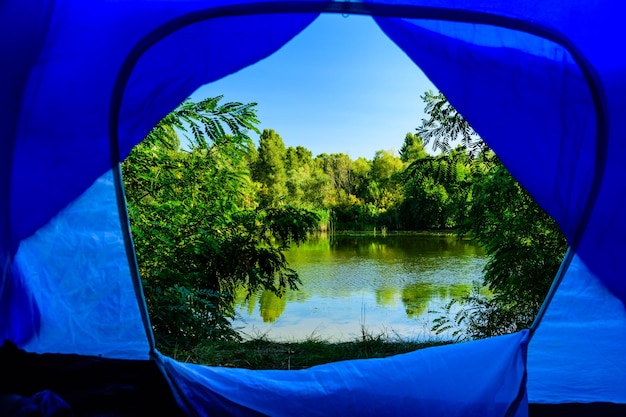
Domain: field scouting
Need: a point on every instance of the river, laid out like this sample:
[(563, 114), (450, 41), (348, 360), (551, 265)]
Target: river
[(389, 284)]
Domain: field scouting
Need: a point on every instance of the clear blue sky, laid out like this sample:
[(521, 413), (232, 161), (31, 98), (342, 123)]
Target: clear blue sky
[(339, 86)]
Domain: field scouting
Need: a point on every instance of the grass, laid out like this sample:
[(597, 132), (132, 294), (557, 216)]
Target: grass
[(261, 353)]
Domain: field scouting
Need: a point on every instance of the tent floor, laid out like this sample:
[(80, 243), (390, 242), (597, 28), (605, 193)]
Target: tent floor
[(577, 410), (64, 385)]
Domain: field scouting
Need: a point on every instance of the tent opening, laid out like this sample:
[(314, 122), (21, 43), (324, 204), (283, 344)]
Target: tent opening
[(389, 192)]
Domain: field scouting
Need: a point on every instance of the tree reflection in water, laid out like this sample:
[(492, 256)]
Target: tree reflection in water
[(388, 281)]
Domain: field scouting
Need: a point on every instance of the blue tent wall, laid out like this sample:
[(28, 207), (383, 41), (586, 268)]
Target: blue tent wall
[(85, 72), (85, 294), (577, 353), (472, 63), (58, 109), (553, 150), (85, 48), (14, 20)]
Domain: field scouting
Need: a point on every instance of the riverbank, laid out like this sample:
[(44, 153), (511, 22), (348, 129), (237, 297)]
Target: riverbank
[(261, 353)]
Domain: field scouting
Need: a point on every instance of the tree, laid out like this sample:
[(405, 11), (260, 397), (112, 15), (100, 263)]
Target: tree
[(361, 170), (524, 245), (200, 233), (206, 122), (445, 126), (269, 169), (424, 205), (525, 248), (384, 185), (338, 167), (412, 149), (301, 178), (291, 159), (384, 165)]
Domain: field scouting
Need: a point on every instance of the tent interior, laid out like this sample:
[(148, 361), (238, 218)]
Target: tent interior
[(85, 82)]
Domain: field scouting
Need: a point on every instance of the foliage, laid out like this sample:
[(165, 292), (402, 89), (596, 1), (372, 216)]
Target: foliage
[(384, 188), (212, 214), (479, 314), (445, 126), (413, 148), (436, 190), (205, 122), (338, 168), (269, 169), (199, 230), (425, 205), (525, 248), (302, 185), (524, 245)]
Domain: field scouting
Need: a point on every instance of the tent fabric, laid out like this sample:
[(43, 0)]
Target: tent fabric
[(98, 316), (80, 56), (542, 82), (58, 116), (587, 214), (473, 62), (488, 380), (576, 353)]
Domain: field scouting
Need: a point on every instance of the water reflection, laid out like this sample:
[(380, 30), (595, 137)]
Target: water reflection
[(418, 296), (271, 306), (389, 282)]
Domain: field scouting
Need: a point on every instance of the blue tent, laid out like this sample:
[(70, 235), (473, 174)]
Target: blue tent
[(82, 82)]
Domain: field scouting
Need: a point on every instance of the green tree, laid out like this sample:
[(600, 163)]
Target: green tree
[(437, 190), (291, 159), (384, 166), (302, 181), (384, 185), (525, 248), (524, 245), (199, 231), (424, 205), (318, 189), (361, 172), (412, 149), (338, 167), (445, 126), (269, 169)]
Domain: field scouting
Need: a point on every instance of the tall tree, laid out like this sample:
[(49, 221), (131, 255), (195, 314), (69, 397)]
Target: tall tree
[(270, 169), (524, 245), (361, 175), (302, 179), (412, 149), (384, 186), (200, 234), (291, 159), (338, 167)]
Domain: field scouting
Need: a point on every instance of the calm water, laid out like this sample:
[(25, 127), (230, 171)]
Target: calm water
[(386, 283)]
